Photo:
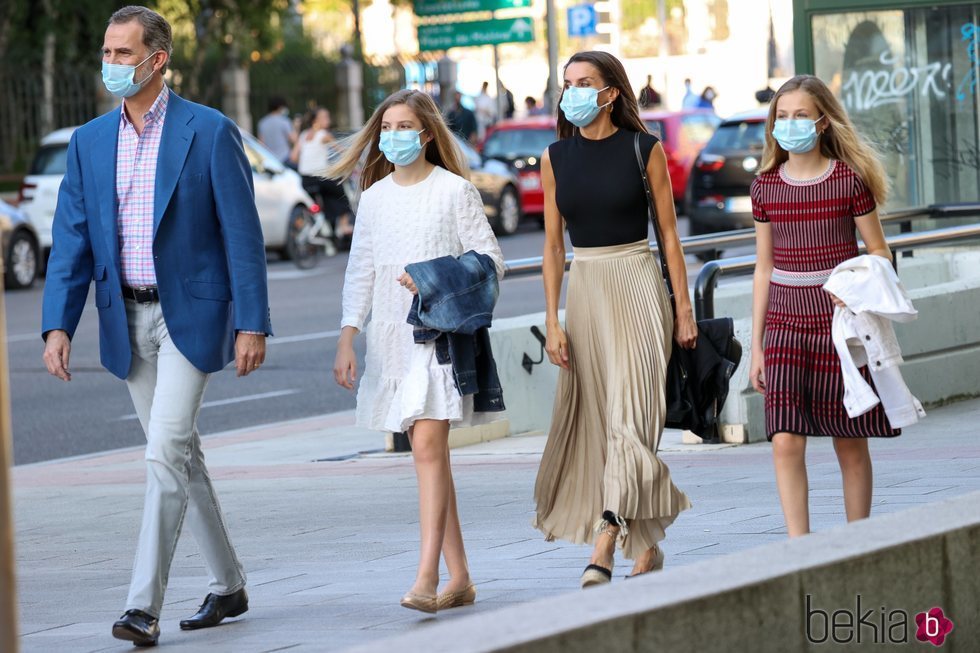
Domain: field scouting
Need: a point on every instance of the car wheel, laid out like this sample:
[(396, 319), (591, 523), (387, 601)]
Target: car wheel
[(23, 259), (508, 212), (299, 249)]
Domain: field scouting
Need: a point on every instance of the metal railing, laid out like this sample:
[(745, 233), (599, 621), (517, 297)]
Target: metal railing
[(707, 281), (744, 237)]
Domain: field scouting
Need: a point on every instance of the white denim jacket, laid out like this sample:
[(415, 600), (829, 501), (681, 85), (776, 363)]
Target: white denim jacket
[(863, 335)]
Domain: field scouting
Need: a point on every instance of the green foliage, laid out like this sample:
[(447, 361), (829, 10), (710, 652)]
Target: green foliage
[(635, 12)]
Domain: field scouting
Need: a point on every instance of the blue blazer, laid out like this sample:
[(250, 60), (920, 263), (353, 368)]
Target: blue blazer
[(207, 242)]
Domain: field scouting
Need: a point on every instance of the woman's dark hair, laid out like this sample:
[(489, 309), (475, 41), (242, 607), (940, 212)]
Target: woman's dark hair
[(625, 110)]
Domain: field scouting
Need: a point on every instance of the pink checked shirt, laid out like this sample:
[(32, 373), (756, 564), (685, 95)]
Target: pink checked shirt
[(136, 171)]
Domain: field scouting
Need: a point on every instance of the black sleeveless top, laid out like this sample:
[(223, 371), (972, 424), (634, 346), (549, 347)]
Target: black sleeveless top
[(599, 189)]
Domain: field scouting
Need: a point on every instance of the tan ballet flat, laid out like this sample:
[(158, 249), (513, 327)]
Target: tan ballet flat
[(420, 602), (448, 600)]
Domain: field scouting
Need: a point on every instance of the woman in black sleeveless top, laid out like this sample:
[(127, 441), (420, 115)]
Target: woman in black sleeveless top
[(600, 479)]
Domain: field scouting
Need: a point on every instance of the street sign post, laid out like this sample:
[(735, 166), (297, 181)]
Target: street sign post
[(477, 32), (582, 20), (439, 7)]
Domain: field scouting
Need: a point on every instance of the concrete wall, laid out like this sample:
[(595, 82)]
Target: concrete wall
[(941, 348), (530, 397), (756, 600)]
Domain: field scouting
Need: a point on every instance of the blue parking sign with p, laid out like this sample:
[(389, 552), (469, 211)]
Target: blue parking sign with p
[(582, 20)]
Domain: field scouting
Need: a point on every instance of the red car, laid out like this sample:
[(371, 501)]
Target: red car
[(521, 142), (683, 134)]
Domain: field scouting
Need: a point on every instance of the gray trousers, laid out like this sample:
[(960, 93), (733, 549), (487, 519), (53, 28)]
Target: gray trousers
[(167, 391)]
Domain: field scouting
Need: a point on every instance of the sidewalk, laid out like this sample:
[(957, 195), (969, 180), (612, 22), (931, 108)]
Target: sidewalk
[(328, 534)]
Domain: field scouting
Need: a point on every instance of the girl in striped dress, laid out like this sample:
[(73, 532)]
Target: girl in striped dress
[(818, 181)]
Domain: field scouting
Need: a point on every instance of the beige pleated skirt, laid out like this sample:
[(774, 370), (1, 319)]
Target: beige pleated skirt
[(609, 408)]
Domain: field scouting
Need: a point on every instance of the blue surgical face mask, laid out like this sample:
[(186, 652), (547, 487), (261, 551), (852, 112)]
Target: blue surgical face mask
[(402, 146), (796, 136), (581, 105), (118, 78)]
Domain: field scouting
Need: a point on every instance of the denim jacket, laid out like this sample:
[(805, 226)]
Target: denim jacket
[(454, 308)]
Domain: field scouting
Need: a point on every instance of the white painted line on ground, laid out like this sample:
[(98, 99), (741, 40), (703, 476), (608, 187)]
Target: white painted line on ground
[(233, 400), (287, 275), (25, 337), (302, 337)]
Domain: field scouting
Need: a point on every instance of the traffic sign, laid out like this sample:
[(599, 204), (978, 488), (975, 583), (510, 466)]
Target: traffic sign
[(582, 20), (477, 32), (438, 7)]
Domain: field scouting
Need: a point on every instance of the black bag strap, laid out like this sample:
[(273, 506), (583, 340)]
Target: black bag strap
[(652, 212)]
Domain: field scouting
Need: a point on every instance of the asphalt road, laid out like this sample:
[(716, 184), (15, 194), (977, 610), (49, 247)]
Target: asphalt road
[(93, 412)]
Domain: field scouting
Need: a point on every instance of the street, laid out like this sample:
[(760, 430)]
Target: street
[(54, 419)]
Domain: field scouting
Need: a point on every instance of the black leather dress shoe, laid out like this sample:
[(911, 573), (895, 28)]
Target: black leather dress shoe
[(215, 608), (137, 627)]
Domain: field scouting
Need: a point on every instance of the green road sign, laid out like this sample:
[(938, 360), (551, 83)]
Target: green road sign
[(437, 7), (477, 32)]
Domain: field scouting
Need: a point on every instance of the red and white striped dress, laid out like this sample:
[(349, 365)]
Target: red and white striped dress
[(812, 231)]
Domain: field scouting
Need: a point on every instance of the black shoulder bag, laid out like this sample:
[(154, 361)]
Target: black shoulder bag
[(697, 379)]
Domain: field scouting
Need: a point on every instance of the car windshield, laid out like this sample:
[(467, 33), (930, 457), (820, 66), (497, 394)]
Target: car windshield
[(737, 136), (50, 160), (513, 144)]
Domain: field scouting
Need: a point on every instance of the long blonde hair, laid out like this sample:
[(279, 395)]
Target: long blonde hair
[(441, 150), (838, 141)]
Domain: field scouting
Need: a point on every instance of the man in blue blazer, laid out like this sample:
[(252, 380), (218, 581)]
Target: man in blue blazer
[(157, 207)]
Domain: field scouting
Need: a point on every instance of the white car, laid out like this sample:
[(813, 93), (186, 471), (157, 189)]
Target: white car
[(283, 206)]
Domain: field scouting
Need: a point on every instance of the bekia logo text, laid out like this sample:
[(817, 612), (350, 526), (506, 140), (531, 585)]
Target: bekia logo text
[(868, 625)]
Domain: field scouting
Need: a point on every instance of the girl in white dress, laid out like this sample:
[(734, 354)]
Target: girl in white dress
[(416, 205)]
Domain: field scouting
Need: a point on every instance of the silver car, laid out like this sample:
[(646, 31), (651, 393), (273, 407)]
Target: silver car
[(21, 250), (283, 206)]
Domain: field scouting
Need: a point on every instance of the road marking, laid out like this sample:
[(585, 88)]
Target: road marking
[(286, 275), (24, 337), (225, 402), (302, 337)]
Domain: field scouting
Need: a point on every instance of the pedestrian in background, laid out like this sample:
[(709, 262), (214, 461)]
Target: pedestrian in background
[(818, 181), (532, 108), (600, 479), (157, 207), (691, 99), (312, 154), (461, 120), (486, 111), (509, 107), (648, 97), (275, 129), (707, 99), (416, 206)]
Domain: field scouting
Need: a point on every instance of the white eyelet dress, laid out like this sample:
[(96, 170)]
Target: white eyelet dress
[(396, 225)]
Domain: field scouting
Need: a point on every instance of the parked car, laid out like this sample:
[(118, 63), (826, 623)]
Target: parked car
[(21, 251), (498, 185), (283, 206), (718, 189), (519, 143), (683, 135)]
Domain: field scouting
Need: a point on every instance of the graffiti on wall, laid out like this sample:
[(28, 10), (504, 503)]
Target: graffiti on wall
[(969, 33), (868, 89)]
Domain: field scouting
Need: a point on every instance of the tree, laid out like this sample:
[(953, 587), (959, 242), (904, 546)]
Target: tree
[(226, 31)]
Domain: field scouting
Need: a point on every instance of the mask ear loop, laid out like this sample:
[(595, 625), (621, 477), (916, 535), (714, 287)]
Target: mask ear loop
[(145, 79), (607, 104)]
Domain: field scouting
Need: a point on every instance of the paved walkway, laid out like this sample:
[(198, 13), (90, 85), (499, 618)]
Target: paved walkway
[(326, 527)]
